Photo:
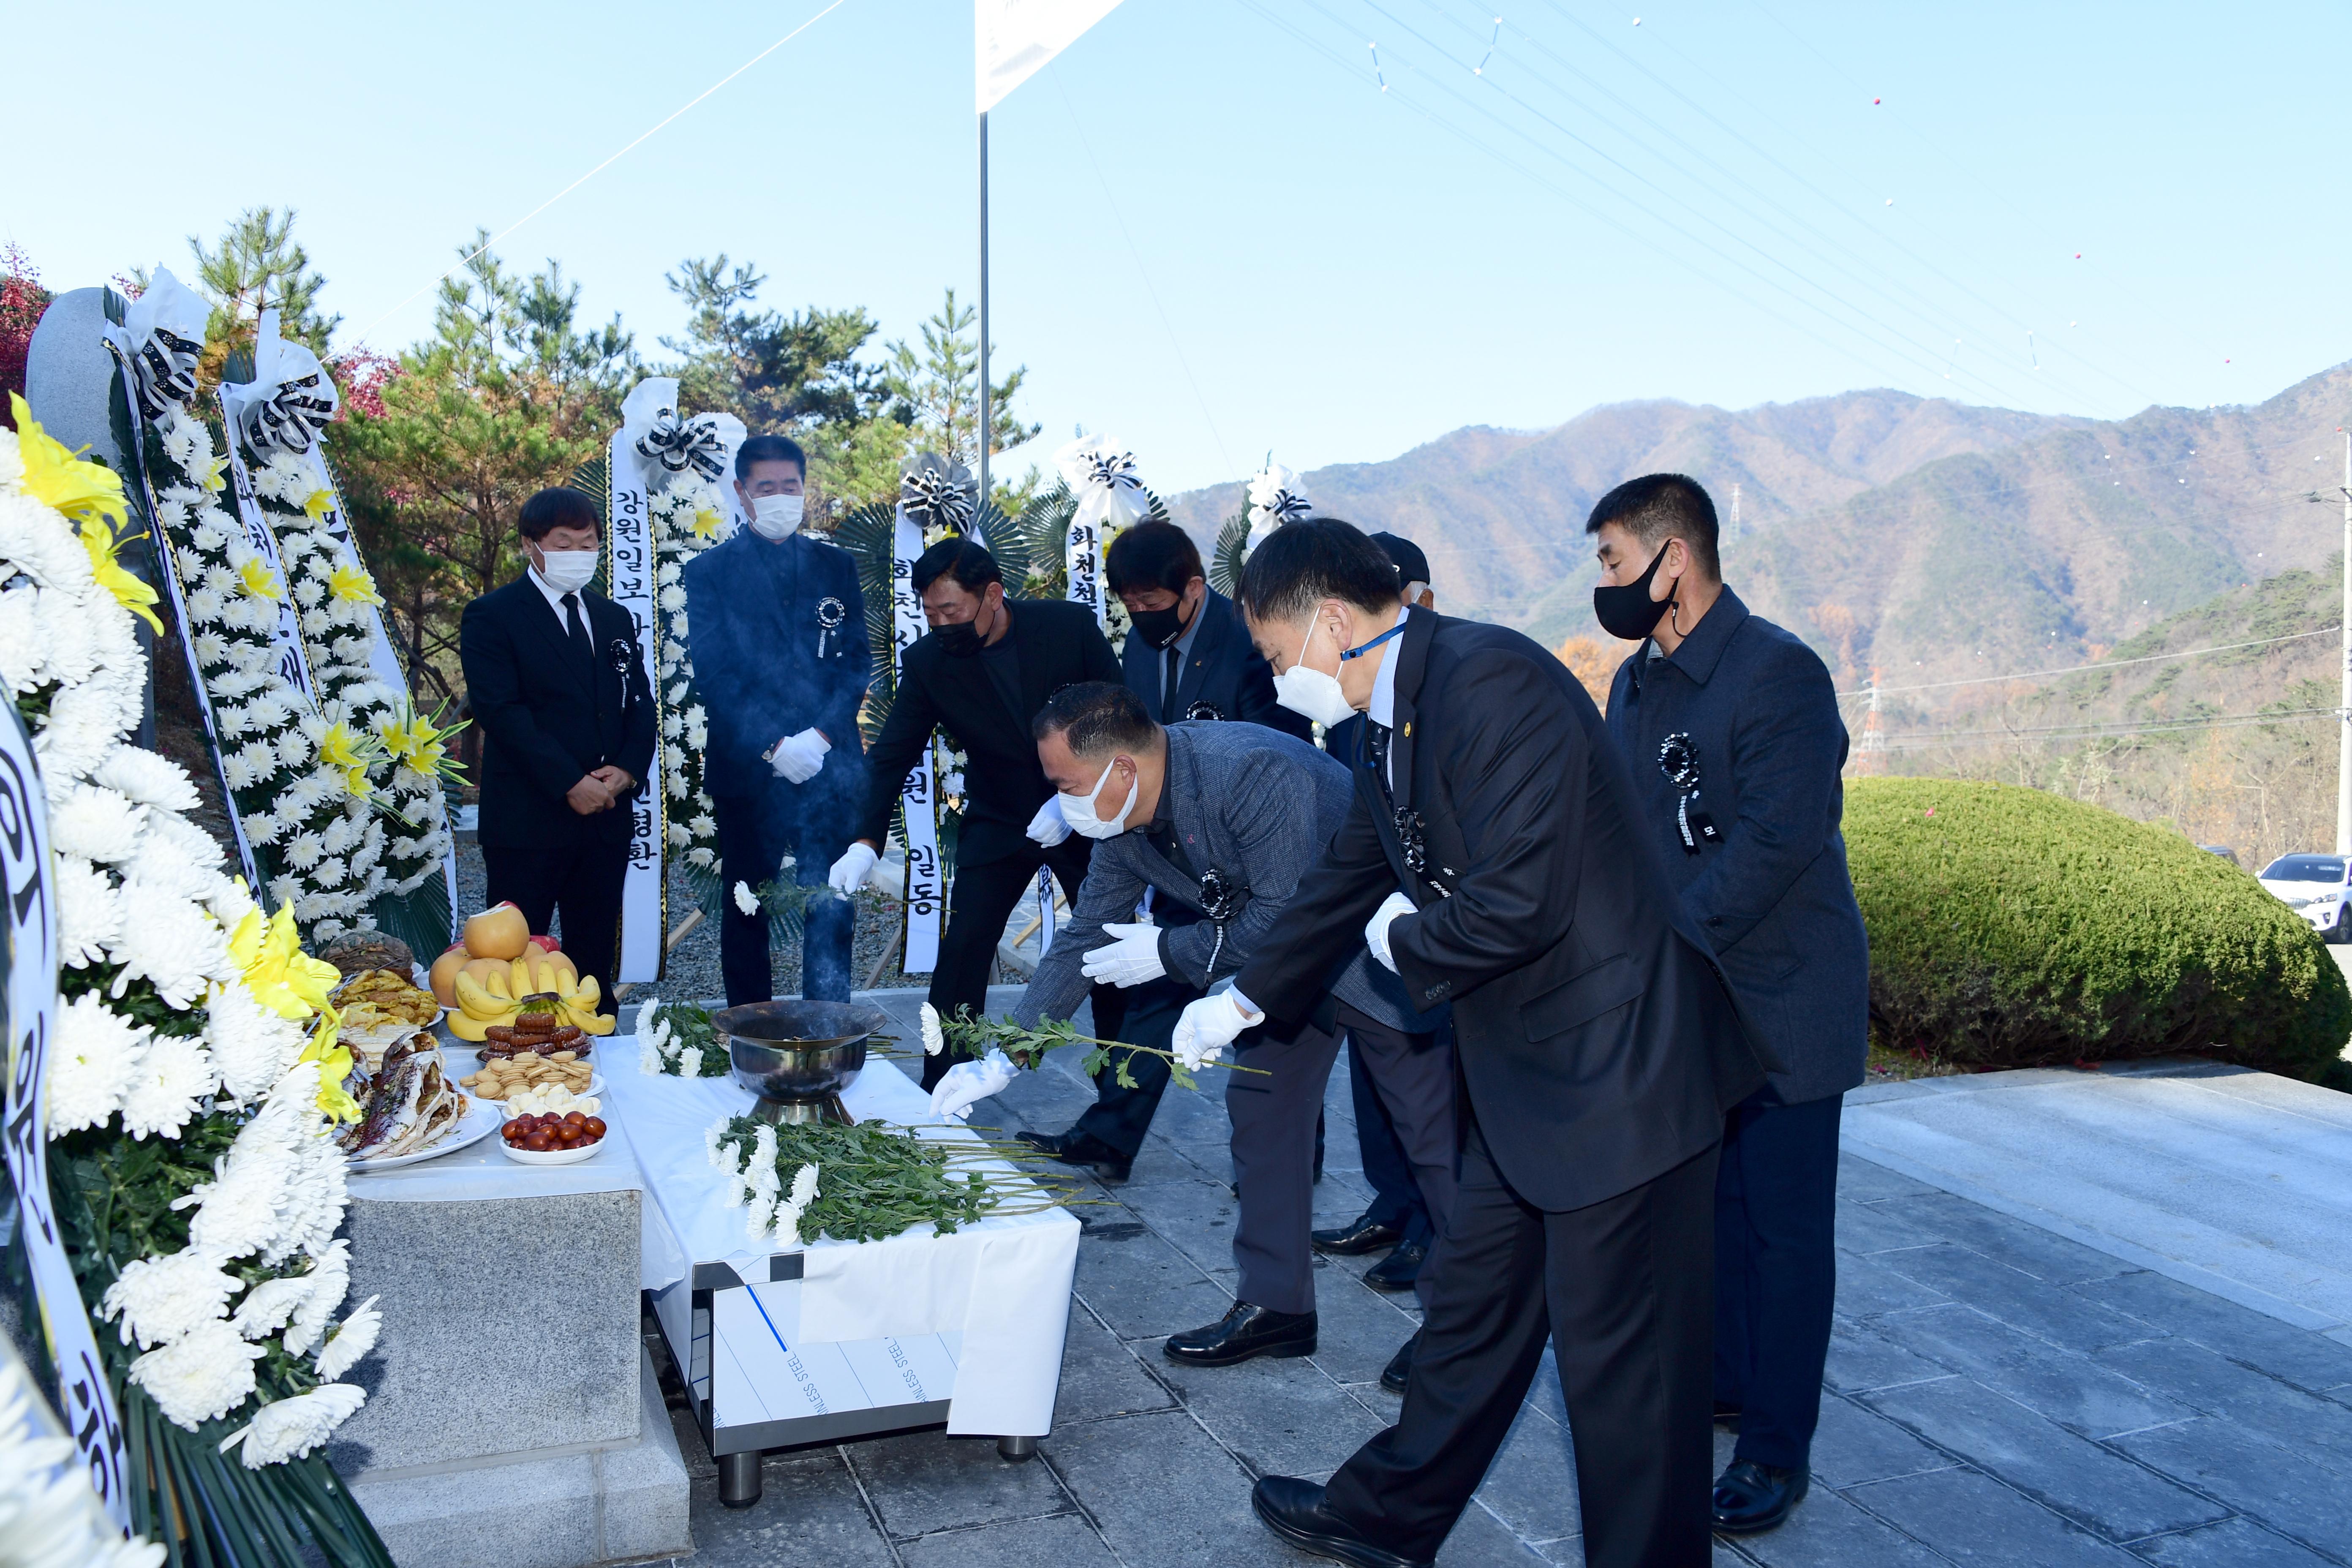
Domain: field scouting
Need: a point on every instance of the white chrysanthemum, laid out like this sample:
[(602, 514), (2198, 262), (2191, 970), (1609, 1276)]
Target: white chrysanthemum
[(673, 599), (22, 655), (350, 1340), (295, 749), (148, 779), (93, 1058), (304, 850), (240, 771), (199, 1378), (50, 1516), (171, 944), (238, 1212), (175, 1076), (89, 911), (164, 869), (163, 1299), (699, 857), (804, 1187), (785, 1233), (674, 783), (744, 901), (331, 872), (678, 836), (270, 1304), (289, 1428), (330, 1281), (97, 824), (935, 1039), (703, 824)]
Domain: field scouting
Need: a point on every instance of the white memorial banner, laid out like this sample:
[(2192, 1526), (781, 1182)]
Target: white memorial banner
[(925, 890), (1013, 39), (85, 1401), (1110, 495), (629, 570)]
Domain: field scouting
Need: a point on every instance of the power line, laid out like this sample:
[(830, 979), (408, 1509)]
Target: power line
[(2078, 668), (607, 164)]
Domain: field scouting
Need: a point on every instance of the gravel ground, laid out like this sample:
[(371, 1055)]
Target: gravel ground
[(693, 969)]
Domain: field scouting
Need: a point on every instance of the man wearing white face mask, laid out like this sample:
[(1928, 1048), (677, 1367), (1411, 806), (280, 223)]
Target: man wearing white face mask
[(777, 624), (1209, 827), (555, 681)]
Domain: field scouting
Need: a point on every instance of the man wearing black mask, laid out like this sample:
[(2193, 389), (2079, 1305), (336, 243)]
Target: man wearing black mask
[(1188, 655), (1732, 728), (981, 673)]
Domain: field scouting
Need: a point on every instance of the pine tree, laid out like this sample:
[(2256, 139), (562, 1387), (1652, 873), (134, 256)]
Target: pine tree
[(257, 265), (938, 389)]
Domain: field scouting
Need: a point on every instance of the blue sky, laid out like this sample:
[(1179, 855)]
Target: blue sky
[(1217, 236)]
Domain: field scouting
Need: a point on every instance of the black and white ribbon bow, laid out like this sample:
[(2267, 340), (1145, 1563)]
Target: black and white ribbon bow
[(1412, 841), (165, 367), (289, 416), (937, 493), (1222, 897), (679, 444), (1678, 760)]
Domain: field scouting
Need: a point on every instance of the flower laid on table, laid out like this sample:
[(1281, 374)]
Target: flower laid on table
[(191, 1166), (679, 1038), (974, 1037), (876, 1180)]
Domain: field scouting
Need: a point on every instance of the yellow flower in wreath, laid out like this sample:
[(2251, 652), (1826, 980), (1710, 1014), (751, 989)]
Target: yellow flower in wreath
[(707, 522), (334, 1059), (351, 585), (268, 951), (319, 504), (54, 475), (350, 752), (257, 579), (97, 537)]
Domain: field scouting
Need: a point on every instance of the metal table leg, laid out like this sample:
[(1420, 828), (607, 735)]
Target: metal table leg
[(1016, 1450), (739, 1478)]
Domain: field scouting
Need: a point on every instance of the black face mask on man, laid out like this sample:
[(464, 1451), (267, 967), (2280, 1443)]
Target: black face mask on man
[(1159, 629), (1627, 612), (961, 639)]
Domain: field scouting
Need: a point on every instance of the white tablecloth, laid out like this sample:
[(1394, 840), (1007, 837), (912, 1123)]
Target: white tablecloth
[(1005, 1283)]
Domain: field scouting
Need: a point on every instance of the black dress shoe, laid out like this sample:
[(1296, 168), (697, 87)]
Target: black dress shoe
[(1399, 1270), (1400, 1367), (1243, 1332), (1749, 1497), (1294, 1510), (1076, 1147), (1362, 1234)]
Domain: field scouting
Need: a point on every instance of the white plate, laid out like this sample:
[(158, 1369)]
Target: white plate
[(555, 1156), (481, 1120)]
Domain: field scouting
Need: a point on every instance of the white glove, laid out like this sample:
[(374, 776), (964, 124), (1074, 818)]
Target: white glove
[(1208, 1026), (1047, 827), (1132, 958), (1376, 929), (967, 1083), (849, 872), (798, 757)]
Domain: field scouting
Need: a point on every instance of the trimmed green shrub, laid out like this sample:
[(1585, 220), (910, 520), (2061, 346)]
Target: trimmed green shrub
[(2013, 928)]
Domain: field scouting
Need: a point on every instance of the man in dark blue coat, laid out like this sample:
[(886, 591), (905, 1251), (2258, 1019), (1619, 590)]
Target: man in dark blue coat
[(1184, 628), (1732, 728), (777, 623)]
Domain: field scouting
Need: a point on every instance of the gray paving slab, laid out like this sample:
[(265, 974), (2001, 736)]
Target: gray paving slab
[(1970, 1519), (2296, 1496), (918, 1482), (1855, 1445), (2053, 1260), (2232, 1543), (810, 1515), (2214, 1384), (2165, 1305), (1870, 1284), (2094, 1399), (2087, 1483), (1102, 1375), (1284, 1417), (1065, 1540), (2015, 1298), (1828, 1531), (1140, 1285), (1861, 1358), (1163, 1491)]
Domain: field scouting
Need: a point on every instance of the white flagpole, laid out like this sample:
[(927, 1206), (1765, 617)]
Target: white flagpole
[(984, 413)]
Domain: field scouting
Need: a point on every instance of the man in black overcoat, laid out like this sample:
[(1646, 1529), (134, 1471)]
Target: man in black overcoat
[(1497, 856), (555, 681), (980, 673), (1731, 727)]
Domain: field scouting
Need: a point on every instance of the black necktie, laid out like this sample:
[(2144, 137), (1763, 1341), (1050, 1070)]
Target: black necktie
[(582, 648), (1167, 684), (1376, 746)]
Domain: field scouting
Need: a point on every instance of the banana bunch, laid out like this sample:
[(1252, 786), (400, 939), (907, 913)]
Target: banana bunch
[(491, 993)]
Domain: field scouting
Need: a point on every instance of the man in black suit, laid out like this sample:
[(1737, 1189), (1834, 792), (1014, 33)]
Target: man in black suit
[(557, 686), (981, 673), (1495, 855), (780, 664), (1732, 728), (1185, 629)]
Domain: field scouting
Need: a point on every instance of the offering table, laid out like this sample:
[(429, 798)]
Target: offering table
[(839, 1340)]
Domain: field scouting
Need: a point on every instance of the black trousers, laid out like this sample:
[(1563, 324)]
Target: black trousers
[(582, 883), (1120, 1116), (984, 899), (1396, 1196), (1623, 1289), (755, 833), (1776, 1270), (1275, 1111), (1409, 1079)]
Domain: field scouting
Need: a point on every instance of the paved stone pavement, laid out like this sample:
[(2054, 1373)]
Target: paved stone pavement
[(1997, 1394)]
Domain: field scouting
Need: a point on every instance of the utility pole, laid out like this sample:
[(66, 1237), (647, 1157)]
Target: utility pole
[(986, 418), (2344, 718), (1873, 759)]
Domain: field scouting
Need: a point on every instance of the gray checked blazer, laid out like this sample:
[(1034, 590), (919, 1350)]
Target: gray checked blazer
[(1257, 805)]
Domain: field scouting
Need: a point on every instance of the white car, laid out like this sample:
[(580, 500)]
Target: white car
[(2313, 886)]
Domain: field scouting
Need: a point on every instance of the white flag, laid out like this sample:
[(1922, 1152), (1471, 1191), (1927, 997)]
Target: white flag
[(1015, 38)]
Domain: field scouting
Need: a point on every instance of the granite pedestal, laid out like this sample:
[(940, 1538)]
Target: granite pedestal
[(512, 1418)]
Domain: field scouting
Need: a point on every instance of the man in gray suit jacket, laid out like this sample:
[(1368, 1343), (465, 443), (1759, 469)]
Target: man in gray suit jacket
[(1203, 831)]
